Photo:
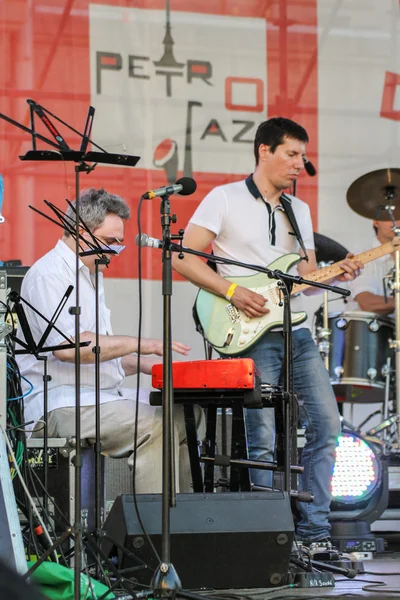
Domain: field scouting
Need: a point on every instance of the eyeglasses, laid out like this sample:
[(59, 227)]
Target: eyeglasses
[(116, 248)]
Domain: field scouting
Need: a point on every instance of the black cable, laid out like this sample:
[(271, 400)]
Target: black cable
[(18, 436), (300, 597), (374, 587), (66, 523), (139, 338), (249, 593), (380, 574), (46, 515)]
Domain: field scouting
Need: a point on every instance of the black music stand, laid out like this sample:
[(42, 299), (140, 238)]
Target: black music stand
[(62, 152), (29, 346)]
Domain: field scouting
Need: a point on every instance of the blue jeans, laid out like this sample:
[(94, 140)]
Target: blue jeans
[(319, 415)]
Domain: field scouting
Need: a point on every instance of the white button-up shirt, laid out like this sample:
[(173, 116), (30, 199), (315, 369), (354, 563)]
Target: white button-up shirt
[(372, 279), (43, 287)]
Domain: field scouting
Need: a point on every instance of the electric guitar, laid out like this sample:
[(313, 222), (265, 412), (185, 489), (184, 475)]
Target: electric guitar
[(231, 332)]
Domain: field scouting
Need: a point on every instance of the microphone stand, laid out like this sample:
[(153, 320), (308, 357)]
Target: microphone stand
[(165, 582), (103, 260), (395, 344)]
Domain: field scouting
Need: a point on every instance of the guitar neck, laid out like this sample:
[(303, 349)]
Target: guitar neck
[(335, 270)]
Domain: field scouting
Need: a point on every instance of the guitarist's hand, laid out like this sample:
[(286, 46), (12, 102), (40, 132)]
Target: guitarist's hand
[(352, 268), (251, 303)]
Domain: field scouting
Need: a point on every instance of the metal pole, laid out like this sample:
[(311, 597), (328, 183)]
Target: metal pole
[(397, 341), (78, 458), (165, 582), (4, 329), (326, 332)]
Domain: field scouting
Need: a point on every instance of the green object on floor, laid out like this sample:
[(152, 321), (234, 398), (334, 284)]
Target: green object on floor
[(56, 582)]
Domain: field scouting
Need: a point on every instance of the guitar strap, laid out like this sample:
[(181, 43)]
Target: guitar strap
[(287, 207)]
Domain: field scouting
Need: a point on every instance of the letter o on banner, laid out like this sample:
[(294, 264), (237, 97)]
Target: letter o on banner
[(258, 84)]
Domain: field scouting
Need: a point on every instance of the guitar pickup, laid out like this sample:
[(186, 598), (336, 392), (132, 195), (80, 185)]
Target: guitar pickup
[(229, 338), (233, 313)]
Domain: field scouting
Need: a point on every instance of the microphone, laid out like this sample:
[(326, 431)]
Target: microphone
[(184, 186), (145, 240), (309, 167)]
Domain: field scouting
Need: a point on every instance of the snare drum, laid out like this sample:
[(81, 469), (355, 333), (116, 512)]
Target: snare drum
[(359, 348)]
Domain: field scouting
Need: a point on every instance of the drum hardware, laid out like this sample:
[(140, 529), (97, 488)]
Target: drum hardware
[(324, 332), (342, 324), (387, 372), (388, 283), (323, 344), (359, 347), (327, 251), (394, 344), (384, 425), (376, 196), (374, 325), (339, 372), (396, 292)]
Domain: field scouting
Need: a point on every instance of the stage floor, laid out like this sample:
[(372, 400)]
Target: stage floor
[(384, 583)]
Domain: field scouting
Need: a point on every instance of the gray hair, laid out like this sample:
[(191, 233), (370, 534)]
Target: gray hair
[(94, 206)]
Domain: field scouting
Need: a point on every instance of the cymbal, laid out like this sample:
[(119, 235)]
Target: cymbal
[(327, 250), (369, 194)]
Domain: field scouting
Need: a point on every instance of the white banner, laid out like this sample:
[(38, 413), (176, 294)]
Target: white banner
[(186, 94)]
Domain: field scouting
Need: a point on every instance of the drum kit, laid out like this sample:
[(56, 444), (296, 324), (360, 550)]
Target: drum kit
[(361, 350)]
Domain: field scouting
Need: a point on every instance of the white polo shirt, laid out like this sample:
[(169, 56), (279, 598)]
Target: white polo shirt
[(43, 287), (244, 229)]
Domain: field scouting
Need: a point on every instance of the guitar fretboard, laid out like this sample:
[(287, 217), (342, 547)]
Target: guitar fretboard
[(335, 270)]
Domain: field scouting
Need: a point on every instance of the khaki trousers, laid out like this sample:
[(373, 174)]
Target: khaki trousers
[(117, 438)]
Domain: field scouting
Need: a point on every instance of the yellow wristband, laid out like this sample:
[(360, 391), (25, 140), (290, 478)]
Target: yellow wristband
[(231, 291)]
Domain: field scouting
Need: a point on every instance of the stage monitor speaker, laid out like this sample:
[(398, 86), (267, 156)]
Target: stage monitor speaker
[(223, 540)]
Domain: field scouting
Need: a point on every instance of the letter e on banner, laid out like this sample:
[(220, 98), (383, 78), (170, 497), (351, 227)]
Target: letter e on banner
[(391, 86)]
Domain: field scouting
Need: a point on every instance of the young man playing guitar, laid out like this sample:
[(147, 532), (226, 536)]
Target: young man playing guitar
[(249, 221)]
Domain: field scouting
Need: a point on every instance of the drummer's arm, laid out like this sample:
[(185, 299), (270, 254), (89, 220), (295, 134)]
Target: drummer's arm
[(374, 303)]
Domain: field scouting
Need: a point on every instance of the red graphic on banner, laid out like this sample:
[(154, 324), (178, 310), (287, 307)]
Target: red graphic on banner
[(254, 85), (390, 88), (47, 45)]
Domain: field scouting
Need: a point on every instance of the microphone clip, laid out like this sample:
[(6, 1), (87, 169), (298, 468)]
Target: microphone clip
[(179, 238)]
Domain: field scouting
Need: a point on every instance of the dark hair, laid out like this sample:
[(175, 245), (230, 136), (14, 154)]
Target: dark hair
[(95, 205), (375, 229), (273, 132)]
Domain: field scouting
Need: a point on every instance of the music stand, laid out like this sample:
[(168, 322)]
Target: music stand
[(62, 152), (29, 346)]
